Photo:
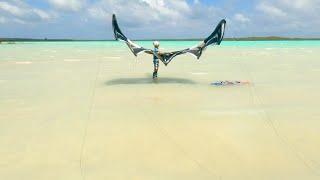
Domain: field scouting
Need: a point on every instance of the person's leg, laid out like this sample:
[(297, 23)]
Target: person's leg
[(154, 75), (155, 71)]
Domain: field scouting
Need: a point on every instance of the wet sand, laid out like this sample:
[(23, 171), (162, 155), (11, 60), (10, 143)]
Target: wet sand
[(89, 113)]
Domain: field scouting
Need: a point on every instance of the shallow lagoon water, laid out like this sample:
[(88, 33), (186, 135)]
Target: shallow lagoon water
[(72, 110), (167, 43)]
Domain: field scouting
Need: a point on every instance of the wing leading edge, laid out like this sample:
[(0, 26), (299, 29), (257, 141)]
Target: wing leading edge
[(215, 38), (135, 49)]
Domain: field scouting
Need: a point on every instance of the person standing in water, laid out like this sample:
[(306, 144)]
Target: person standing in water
[(156, 45)]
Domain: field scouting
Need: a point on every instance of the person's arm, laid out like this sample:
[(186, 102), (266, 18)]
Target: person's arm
[(149, 51)]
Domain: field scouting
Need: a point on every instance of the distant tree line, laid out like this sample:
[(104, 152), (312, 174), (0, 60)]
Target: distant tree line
[(269, 38)]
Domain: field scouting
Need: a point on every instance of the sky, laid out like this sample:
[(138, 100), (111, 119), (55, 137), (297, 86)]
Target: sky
[(158, 19)]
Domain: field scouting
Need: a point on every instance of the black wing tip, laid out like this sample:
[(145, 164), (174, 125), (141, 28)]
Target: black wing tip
[(114, 18), (223, 23), (115, 26), (114, 22)]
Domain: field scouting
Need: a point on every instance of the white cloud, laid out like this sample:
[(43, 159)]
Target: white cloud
[(98, 13), (291, 8), (301, 4), (12, 9), (271, 10), (42, 14), (155, 11), (20, 12), (291, 16), (145, 10), (241, 18), (68, 5), (168, 7), (166, 18), (158, 18)]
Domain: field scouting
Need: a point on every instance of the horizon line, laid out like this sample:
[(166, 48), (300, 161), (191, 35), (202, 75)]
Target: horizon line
[(249, 38)]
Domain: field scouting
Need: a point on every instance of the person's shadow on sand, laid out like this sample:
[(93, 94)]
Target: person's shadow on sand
[(161, 80)]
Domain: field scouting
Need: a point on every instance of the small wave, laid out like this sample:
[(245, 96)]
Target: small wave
[(199, 73), (71, 60), (232, 112), (23, 62), (112, 57), (50, 51)]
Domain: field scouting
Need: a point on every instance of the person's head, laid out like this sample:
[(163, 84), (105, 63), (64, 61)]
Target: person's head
[(156, 44)]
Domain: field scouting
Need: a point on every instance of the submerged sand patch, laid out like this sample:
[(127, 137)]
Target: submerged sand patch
[(72, 60), (23, 62)]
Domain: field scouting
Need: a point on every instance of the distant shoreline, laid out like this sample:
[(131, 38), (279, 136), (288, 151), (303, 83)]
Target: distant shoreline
[(269, 38)]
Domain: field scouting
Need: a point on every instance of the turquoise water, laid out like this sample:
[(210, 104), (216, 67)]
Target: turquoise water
[(174, 44), (259, 44)]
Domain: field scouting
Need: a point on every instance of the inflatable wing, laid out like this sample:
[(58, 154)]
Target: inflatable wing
[(135, 49), (214, 39)]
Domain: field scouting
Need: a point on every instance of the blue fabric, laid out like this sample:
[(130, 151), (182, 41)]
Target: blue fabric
[(155, 52), (155, 58), (227, 83), (219, 83)]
